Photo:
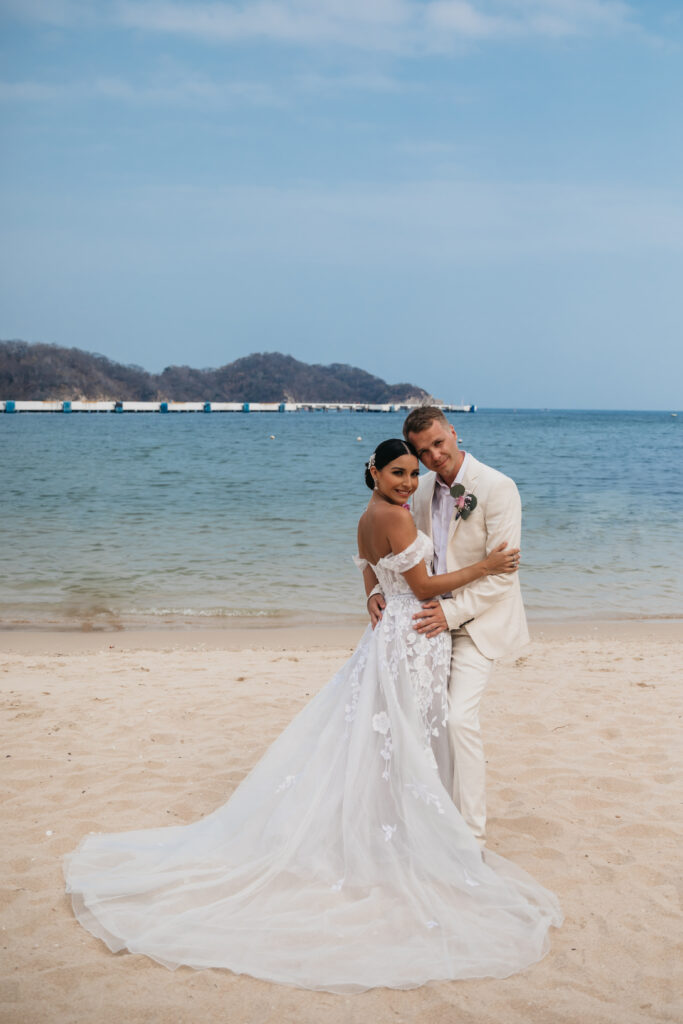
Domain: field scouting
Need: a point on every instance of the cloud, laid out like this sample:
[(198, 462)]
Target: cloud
[(360, 23), (355, 82), (189, 90), (399, 26), (31, 92), (52, 12), (459, 18)]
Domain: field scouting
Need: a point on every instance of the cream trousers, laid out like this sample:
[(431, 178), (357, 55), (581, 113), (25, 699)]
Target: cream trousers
[(470, 672)]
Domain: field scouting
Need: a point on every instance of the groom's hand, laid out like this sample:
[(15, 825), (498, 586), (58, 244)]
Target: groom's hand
[(431, 620), (376, 605)]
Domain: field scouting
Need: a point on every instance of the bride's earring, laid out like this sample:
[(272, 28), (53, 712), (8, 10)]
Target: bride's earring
[(371, 466)]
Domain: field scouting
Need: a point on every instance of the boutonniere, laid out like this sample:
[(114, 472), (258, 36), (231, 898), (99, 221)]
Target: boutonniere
[(465, 501)]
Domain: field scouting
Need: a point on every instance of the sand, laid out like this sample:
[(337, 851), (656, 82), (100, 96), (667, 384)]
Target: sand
[(114, 731)]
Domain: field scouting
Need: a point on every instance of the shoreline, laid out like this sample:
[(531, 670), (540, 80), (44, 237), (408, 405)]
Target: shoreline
[(308, 619), (316, 636)]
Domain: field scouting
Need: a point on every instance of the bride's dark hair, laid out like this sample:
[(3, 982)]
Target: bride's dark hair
[(385, 453)]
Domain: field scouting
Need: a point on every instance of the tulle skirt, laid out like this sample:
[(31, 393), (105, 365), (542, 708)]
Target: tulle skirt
[(340, 863)]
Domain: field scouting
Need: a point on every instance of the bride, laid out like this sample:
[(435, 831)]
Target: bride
[(340, 863)]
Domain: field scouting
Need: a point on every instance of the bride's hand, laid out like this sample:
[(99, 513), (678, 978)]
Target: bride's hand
[(501, 560)]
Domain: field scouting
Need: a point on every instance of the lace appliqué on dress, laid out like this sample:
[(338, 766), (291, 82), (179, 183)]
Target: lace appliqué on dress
[(354, 686), (421, 792), (426, 660), (382, 724)]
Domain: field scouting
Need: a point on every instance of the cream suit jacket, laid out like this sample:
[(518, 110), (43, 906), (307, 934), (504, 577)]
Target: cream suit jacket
[(490, 609)]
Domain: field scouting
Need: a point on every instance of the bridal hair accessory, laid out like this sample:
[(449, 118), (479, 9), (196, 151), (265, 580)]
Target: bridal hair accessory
[(465, 501), (371, 461)]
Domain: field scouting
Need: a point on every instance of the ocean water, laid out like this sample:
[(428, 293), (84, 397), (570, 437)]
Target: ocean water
[(188, 518)]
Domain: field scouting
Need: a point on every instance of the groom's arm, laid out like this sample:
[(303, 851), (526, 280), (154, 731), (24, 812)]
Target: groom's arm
[(503, 520)]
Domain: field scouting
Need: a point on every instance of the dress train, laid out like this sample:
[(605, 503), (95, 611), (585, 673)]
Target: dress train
[(340, 863)]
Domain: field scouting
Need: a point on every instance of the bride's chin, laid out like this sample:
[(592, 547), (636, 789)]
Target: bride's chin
[(392, 499)]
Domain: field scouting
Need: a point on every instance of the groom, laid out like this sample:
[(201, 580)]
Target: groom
[(486, 618)]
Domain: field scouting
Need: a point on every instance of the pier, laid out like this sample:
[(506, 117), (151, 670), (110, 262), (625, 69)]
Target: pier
[(10, 406)]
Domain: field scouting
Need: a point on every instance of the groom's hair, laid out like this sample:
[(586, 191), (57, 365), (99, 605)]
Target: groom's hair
[(419, 419)]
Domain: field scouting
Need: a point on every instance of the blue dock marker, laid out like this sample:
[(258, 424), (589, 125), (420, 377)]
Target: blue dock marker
[(163, 407), (207, 406), (118, 406), (66, 406), (10, 406), (245, 407)]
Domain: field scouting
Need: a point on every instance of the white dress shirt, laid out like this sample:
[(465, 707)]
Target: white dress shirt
[(443, 506)]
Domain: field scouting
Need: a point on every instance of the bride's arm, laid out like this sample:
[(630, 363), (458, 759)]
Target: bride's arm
[(401, 532), (369, 579), (374, 602), (425, 587)]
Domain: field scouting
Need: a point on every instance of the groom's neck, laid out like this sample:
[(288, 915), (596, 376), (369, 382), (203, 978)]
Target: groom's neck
[(450, 477)]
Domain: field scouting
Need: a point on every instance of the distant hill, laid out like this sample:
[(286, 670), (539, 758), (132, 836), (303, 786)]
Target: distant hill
[(36, 371)]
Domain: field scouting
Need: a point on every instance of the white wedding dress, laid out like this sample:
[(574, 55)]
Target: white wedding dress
[(340, 863)]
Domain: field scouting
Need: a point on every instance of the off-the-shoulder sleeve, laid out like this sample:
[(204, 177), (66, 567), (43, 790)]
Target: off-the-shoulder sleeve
[(361, 563), (406, 559)]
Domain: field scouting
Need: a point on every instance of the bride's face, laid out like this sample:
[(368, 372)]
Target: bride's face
[(397, 481)]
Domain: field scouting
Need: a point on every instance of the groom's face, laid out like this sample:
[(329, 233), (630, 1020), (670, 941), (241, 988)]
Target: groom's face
[(437, 448)]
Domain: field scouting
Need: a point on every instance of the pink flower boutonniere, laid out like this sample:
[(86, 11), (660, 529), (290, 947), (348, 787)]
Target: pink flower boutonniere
[(465, 501)]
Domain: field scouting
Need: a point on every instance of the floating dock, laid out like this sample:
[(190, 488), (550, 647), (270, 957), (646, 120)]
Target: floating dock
[(10, 406)]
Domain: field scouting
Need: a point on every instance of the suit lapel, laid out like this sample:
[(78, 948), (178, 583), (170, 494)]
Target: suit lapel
[(470, 475)]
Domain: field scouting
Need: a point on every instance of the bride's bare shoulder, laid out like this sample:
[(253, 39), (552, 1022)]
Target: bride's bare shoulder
[(398, 526), (387, 516), (385, 528), (391, 511)]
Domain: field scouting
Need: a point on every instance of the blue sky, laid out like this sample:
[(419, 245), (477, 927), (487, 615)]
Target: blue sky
[(483, 197)]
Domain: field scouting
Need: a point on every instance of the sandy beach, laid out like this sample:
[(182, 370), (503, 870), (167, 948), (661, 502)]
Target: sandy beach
[(114, 731)]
